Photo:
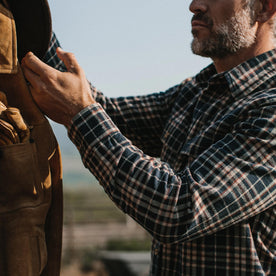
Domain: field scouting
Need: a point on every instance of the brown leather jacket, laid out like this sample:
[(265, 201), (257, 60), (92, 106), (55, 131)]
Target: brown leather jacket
[(30, 177)]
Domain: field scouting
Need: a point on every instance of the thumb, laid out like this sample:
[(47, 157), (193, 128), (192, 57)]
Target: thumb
[(35, 64), (69, 60)]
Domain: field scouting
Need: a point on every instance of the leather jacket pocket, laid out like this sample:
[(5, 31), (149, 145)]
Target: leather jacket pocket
[(20, 184)]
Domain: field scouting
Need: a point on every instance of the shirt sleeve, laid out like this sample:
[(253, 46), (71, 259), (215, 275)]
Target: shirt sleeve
[(231, 181), (141, 118), (51, 57), (145, 123)]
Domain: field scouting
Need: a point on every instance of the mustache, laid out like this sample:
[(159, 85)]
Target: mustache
[(204, 18)]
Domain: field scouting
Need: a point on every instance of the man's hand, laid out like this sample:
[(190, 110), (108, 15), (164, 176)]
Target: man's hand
[(60, 95)]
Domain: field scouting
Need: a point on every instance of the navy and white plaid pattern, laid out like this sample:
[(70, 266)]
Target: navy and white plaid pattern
[(51, 57), (195, 166)]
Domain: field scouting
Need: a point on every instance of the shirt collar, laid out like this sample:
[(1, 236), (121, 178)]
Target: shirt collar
[(246, 77)]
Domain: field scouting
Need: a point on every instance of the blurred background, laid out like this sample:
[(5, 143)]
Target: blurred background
[(126, 48)]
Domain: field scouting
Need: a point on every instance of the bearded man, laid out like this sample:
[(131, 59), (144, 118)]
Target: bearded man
[(194, 165)]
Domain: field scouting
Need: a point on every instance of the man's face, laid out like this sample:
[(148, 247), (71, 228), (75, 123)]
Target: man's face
[(221, 27)]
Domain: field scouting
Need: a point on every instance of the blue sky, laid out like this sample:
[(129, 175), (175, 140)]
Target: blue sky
[(128, 47)]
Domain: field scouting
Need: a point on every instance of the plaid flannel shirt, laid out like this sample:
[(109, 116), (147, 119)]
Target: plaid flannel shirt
[(208, 200)]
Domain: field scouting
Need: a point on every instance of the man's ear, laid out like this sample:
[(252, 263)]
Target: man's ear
[(266, 10)]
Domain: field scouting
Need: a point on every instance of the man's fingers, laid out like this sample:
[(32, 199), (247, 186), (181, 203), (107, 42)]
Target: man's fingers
[(69, 60), (32, 78), (35, 64)]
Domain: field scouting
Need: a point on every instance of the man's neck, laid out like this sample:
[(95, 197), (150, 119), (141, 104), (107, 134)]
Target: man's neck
[(231, 61)]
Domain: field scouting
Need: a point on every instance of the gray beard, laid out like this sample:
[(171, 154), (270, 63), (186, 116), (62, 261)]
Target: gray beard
[(228, 38)]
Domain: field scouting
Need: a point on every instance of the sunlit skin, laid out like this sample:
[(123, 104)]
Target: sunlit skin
[(221, 10), (214, 9), (217, 10), (61, 95)]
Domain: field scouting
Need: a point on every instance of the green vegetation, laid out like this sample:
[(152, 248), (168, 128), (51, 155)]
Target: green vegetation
[(87, 259), (90, 205), (129, 245)]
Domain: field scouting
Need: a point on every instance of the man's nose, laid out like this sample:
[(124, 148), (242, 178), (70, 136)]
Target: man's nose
[(198, 6)]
